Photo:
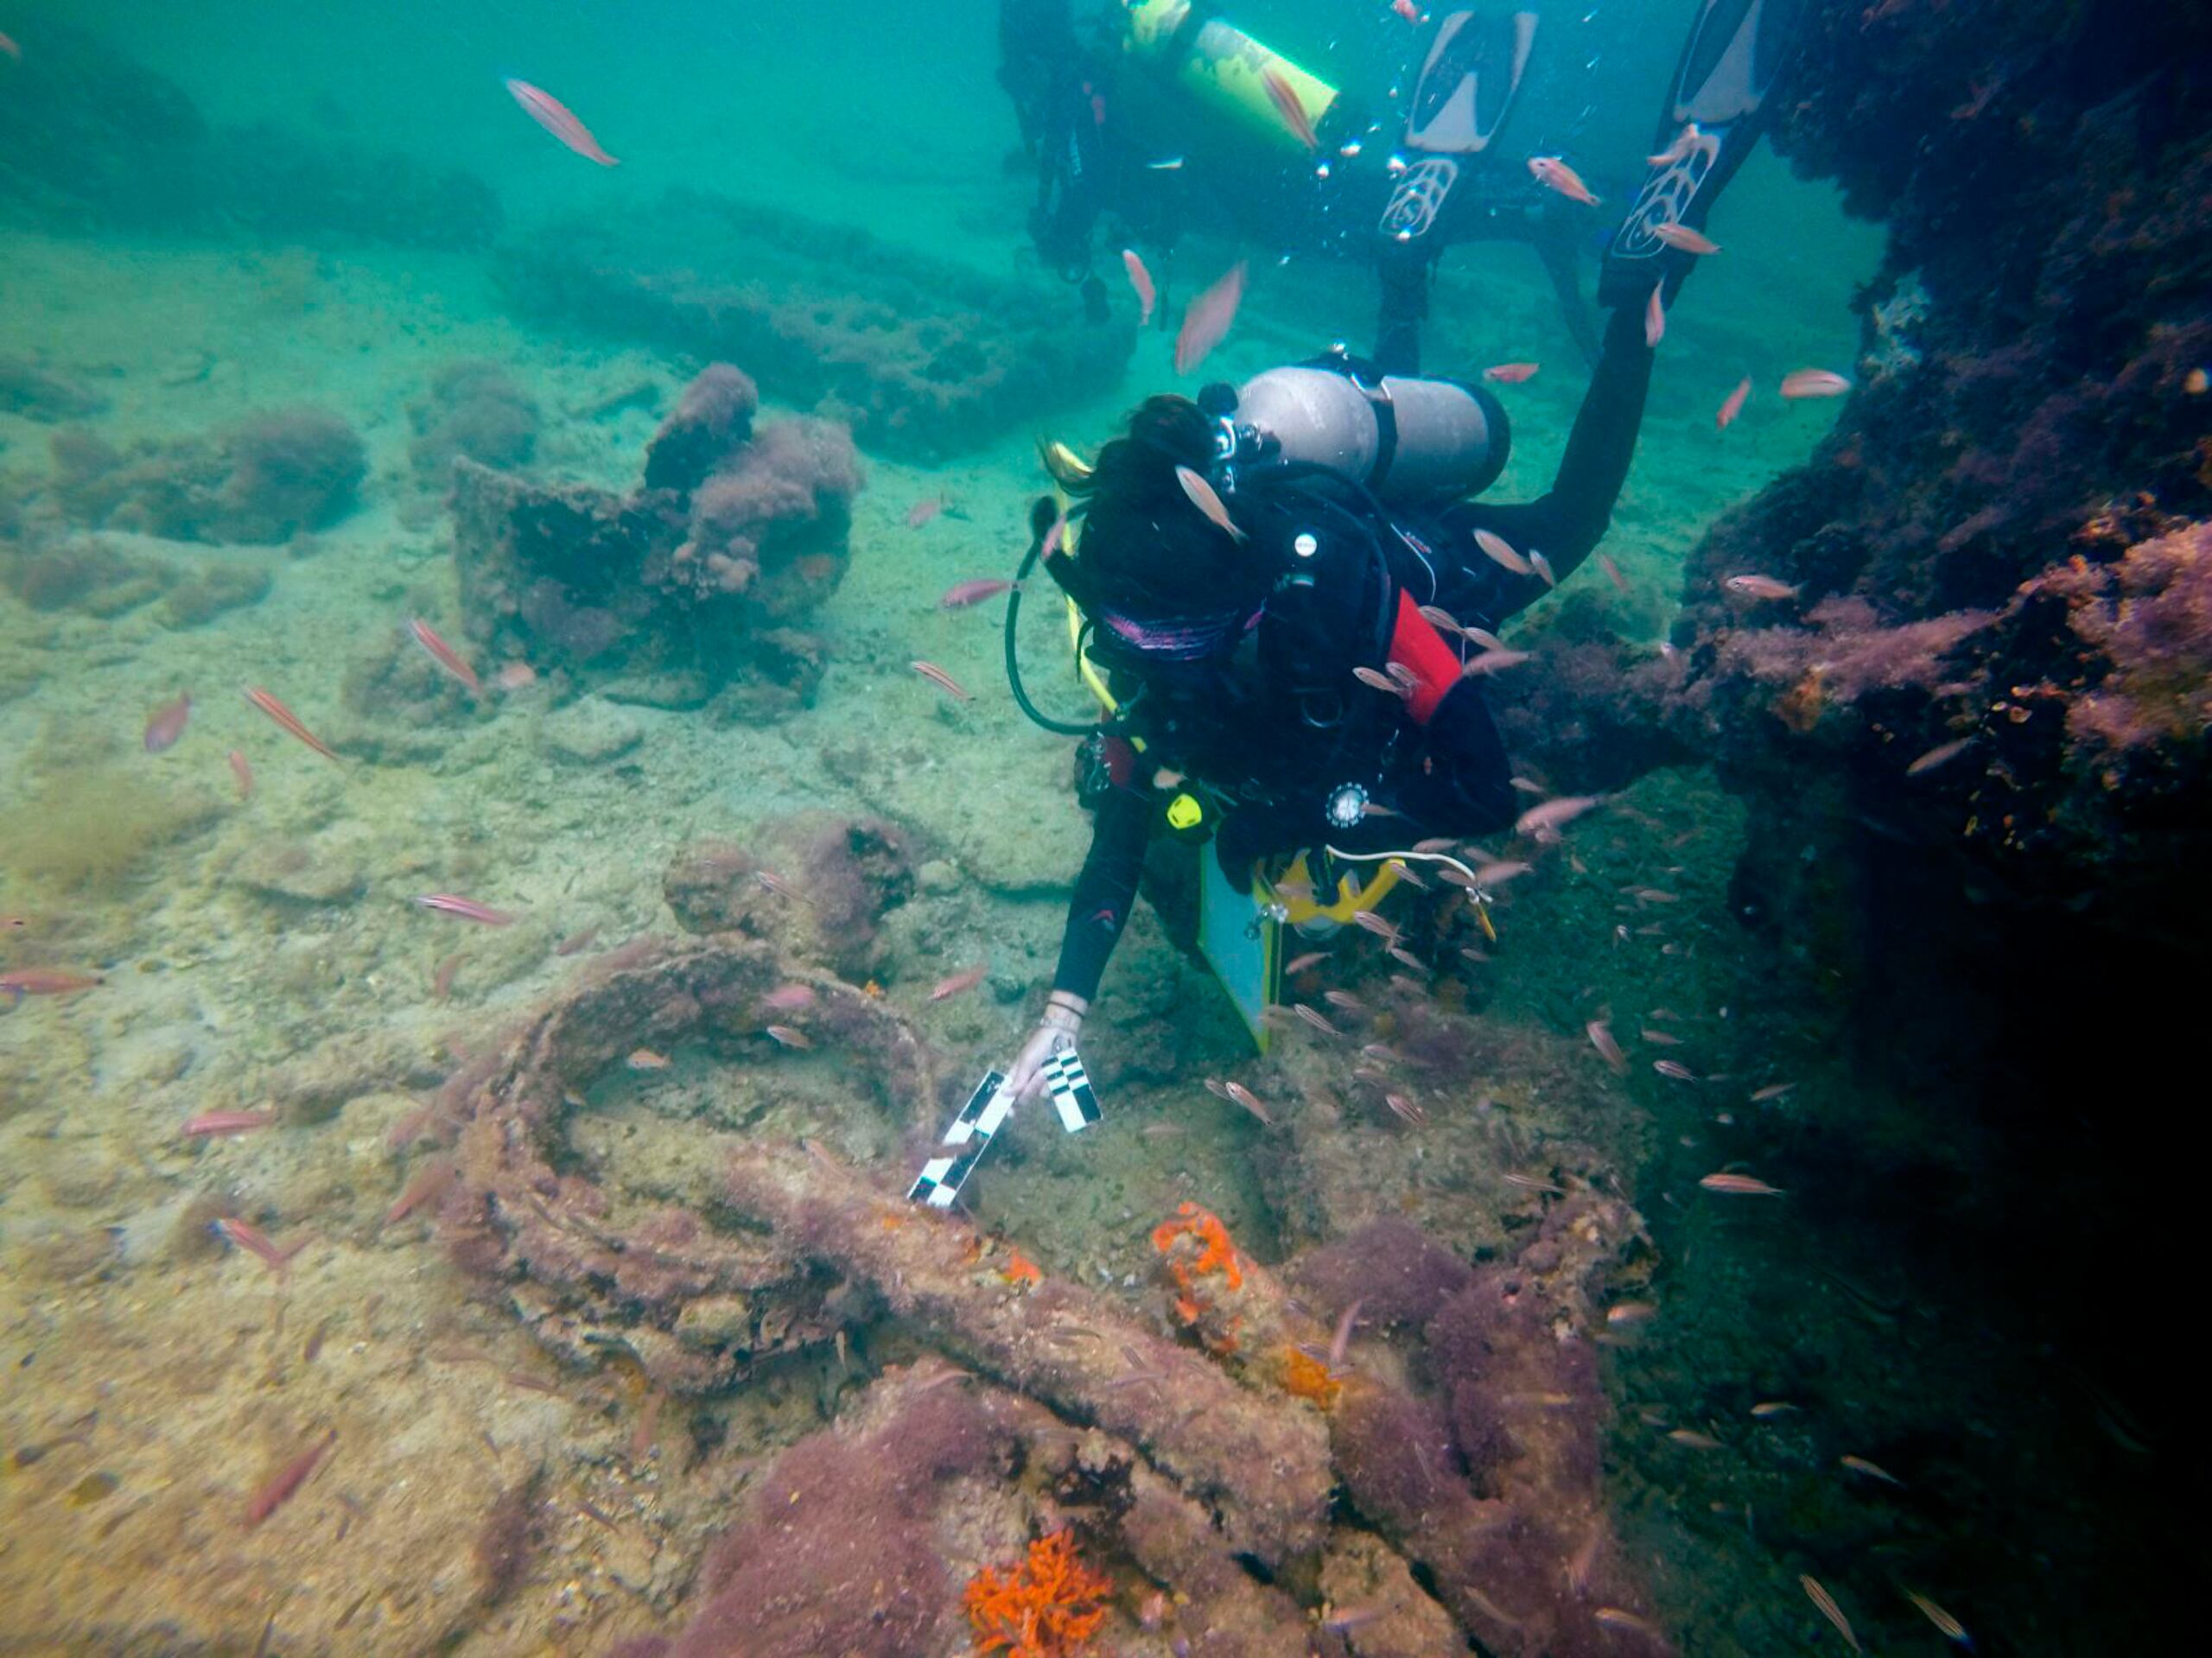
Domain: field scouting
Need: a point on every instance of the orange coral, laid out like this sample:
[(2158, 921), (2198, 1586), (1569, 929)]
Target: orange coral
[(1213, 1256), (1303, 1375), (1021, 1269), (1047, 1606)]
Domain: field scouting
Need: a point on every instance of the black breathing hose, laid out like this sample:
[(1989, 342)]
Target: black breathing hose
[(1042, 517)]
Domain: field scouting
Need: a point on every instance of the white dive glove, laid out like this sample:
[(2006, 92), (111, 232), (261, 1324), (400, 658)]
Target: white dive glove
[(1057, 1029)]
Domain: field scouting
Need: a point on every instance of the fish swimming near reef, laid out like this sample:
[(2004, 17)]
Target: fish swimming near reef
[(923, 511), (1655, 320), (788, 1037), (1555, 175), (9, 49), (1510, 373), (1140, 284), (444, 655), (1821, 1597), (1601, 1038), (1685, 141), (953, 984), (167, 724), (22, 981), (467, 908), (973, 591), (287, 1481), (1937, 755), (1813, 383), (1724, 417), (228, 1122), (1760, 587), (241, 772), (245, 1235), (1740, 1185), (1205, 323), (1545, 821), (944, 680), (290, 722), (556, 119)]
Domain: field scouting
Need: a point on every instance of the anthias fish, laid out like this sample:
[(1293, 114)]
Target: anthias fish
[(1202, 496), (954, 984), (228, 1122), (1654, 319), (1601, 1038), (243, 1234), (1555, 175), (467, 908), (788, 1037), (1206, 322), (21, 981), (1140, 284), (290, 722), (973, 591), (1740, 1185), (1285, 98), (1510, 373), (556, 119), (1813, 383), (444, 655), (1725, 414), (1500, 551), (287, 1481), (1937, 755), (1760, 587), (241, 773), (1829, 1610), (1550, 818), (166, 724), (944, 680), (1683, 238)]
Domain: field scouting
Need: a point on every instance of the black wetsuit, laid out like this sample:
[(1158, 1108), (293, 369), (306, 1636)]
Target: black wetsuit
[(1251, 735)]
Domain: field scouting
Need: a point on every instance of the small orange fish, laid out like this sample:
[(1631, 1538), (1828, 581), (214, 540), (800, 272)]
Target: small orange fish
[(1202, 497), (1686, 239), (1949, 1627), (1674, 1070), (1299, 963), (1546, 819), (444, 655), (290, 722), (1771, 1091), (646, 1059), (241, 773), (1829, 1610), (1767, 1407), (944, 680), (922, 511), (167, 723), (1872, 1470), (1250, 1101), (1612, 572), (1500, 551), (1654, 319), (9, 50), (1613, 1617), (1623, 1314), (1740, 1185), (1685, 141), (1511, 373), (788, 1037), (1543, 567), (1288, 105), (1140, 284), (1601, 1038), (45, 982), (1206, 322), (556, 117), (515, 677), (1407, 10), (954, 984), (1813, 383), (1555, 175), (1759, 586), (1695, 1440), (1935, 756), (1724, 417), (255, 1241)]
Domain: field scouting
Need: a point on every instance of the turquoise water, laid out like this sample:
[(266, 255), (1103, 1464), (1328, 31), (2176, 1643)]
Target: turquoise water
[(536, 1455)]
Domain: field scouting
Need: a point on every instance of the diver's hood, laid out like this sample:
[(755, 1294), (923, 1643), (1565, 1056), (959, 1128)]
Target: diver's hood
[(1130, 628)]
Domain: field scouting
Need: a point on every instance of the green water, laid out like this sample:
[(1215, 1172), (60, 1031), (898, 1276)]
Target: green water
[(259, 952)]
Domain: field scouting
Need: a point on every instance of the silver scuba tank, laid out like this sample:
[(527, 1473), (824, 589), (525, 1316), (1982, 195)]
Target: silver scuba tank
[(1411, 441)]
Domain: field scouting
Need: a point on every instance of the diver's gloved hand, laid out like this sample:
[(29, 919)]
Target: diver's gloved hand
[(1056, 1030)]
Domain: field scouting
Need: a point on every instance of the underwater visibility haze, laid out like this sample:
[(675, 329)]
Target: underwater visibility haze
[(1140, 828)]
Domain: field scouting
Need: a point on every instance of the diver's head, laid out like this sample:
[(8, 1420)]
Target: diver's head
[(1160, 579)]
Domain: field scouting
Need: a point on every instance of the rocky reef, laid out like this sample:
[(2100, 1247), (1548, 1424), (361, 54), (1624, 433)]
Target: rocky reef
[(922, 359), (692, 580)]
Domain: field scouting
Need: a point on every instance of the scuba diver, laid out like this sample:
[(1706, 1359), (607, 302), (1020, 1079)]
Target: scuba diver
[(1278, 585), (1159, 114)]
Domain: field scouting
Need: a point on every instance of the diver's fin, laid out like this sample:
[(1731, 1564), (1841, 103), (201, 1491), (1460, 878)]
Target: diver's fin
[(1711, 119), (1468, 81)]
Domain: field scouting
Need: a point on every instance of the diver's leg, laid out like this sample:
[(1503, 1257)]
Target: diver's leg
[(1403, 272), (1713, 113)]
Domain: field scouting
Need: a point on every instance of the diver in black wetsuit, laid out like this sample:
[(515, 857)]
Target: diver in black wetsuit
[(1114, 140), (1282, 670)]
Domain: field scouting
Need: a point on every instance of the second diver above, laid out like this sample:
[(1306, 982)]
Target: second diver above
[(1253, 569)]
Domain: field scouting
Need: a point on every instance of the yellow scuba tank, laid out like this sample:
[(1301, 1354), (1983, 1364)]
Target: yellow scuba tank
[(1225, 70)]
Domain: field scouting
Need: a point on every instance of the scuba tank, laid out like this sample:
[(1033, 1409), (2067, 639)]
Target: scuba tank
[(1410, 441)]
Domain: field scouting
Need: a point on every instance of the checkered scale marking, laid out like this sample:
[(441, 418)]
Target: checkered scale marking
[(991, 1104), (1068, 1084)]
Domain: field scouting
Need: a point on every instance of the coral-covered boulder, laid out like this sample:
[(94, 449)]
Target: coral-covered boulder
[(818, 886), (265, 479), (474, 408), (697, 576)]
